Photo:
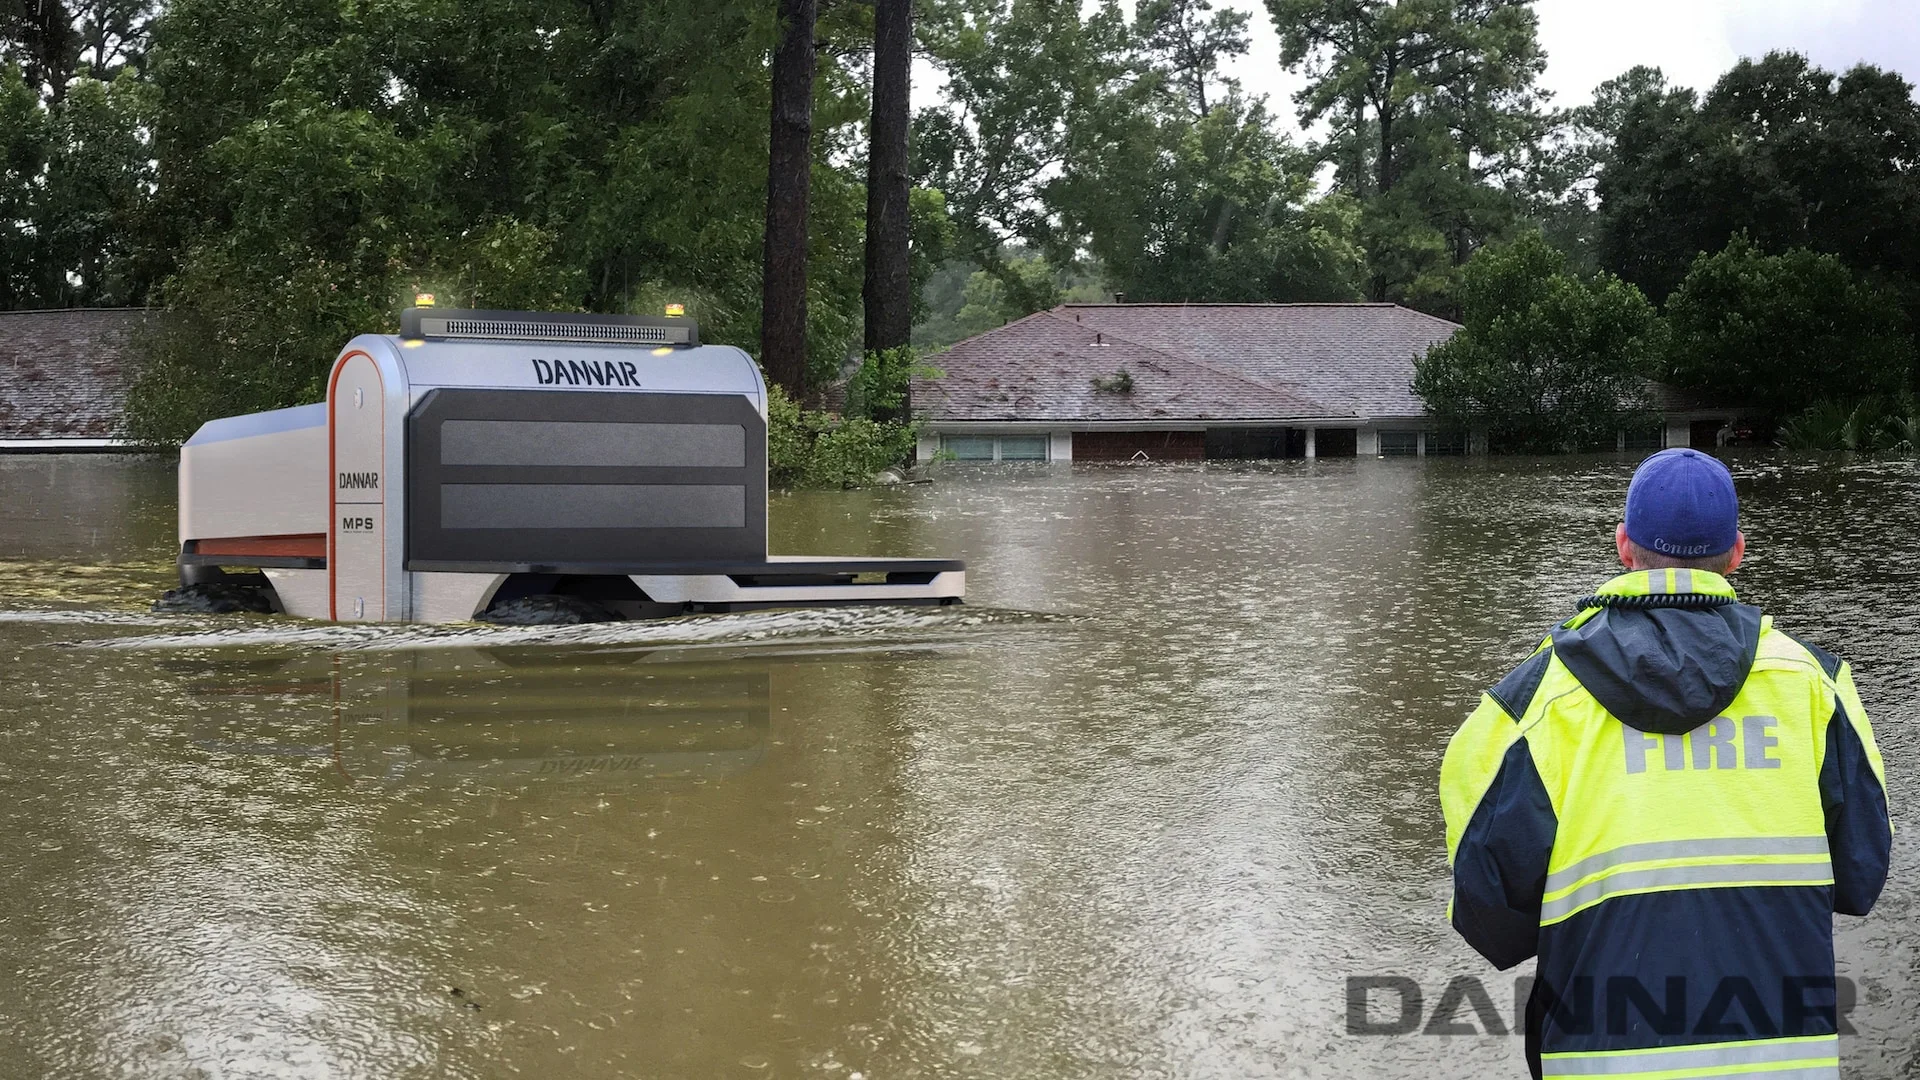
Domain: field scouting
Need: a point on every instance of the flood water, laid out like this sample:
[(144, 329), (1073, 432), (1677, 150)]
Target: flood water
[(1139, 809)]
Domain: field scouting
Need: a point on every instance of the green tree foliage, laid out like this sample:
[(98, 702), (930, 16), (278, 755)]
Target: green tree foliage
[(1779, 150), (1434, 115), (24, 141), (1024, 80), (1186, 42), (1567, 167), (807, 449), (964, 301), (1095, 141), (280, 176), (325, 161), (75, 187), (54, 42), (929, 239), (1182, 189), (1214, 208), (1547, 360), (1785, 330)]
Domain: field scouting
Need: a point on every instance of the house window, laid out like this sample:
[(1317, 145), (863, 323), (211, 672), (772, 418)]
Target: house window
[(1023, 448), (995, 448), (968, 447), (1649, 438), (1447, 443), (1399, 443)]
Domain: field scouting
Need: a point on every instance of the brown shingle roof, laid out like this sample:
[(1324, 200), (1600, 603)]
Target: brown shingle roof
[(1667, 398), (1358, 357), (1043, 367), (1215, 361), (63, 374)]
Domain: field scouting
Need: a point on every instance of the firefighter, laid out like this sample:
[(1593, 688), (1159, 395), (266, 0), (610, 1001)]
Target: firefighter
[(1666, 803)]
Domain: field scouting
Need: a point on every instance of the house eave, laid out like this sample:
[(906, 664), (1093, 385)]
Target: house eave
[(1170, 424), (55, 446)]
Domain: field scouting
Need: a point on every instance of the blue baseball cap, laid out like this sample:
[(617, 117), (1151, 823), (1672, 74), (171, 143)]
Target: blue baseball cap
[(1681, 503)]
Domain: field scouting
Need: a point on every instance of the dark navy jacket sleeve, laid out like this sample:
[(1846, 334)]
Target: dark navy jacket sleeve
[(1500, 866), (1859, 831)]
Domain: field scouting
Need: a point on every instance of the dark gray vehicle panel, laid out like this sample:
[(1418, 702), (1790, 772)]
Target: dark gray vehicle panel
[(621, 478)]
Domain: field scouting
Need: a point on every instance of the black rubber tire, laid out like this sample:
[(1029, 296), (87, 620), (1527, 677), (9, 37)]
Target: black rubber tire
[(214, 598), (548, 610)]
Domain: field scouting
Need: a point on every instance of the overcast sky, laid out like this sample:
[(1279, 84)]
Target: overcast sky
[(1693, 41)]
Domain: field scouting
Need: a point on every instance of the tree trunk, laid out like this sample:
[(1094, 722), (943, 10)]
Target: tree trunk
[(1384, 178), (1388, 112), (783, 283), (889, 283), (1359, 144)]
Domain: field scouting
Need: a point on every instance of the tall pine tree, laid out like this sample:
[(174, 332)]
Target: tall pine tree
[(783, 290)]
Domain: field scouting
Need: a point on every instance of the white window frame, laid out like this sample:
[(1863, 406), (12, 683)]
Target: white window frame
[(1045, 437), (1419, 442)]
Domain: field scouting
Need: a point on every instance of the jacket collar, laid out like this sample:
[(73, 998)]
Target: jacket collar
[(1670, 582)]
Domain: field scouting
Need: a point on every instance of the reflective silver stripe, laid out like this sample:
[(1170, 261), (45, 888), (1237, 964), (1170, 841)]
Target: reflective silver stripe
[(1663, 876), (1812, 1072), (1656, 581), (1682, 580), (1710, 1055), (1683, 849)]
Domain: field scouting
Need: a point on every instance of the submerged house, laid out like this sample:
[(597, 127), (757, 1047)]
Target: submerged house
[(1117, 382)]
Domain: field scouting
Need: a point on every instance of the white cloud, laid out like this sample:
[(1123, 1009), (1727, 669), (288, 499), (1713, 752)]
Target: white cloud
[(1836, 34), (1590, 41), (1694, 41)]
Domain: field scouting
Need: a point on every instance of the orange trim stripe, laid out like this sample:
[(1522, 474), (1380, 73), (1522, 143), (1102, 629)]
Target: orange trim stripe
[(297, 546)]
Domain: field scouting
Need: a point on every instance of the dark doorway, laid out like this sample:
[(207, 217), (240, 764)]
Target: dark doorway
[(1705, 434), (1335, 442), (1255, 444), (1138, 445)]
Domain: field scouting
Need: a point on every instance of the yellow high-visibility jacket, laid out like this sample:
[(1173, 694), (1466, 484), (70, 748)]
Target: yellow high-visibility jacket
[(1666, 803)]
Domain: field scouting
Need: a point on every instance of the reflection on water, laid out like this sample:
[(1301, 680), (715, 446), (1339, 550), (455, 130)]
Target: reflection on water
[(506, 715), (1139, 810)]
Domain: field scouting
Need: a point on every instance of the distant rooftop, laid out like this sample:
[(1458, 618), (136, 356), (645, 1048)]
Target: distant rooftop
[(63, 374), (1188, 361)]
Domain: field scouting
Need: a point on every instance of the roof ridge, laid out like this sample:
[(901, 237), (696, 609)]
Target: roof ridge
[(68, 310), (1202, 304), (1435, 318), (1205, 366), (1287, 304)]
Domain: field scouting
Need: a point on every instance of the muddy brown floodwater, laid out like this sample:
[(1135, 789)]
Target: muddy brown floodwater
[(1139, 810)]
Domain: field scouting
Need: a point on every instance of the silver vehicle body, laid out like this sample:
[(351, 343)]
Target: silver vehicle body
[(482, 454)]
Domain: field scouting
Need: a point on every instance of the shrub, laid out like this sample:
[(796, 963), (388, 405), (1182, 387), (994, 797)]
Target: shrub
[(808, 449), (1547, 360), (1783, 330), (1867, 425)]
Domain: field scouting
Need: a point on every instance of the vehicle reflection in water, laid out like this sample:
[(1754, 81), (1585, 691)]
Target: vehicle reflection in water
[(513, 716)]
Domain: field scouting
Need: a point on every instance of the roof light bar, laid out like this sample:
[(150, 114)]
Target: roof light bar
[(448, 323)]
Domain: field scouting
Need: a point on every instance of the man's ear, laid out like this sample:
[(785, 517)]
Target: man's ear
[(1739, 551), (1622, 545)]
